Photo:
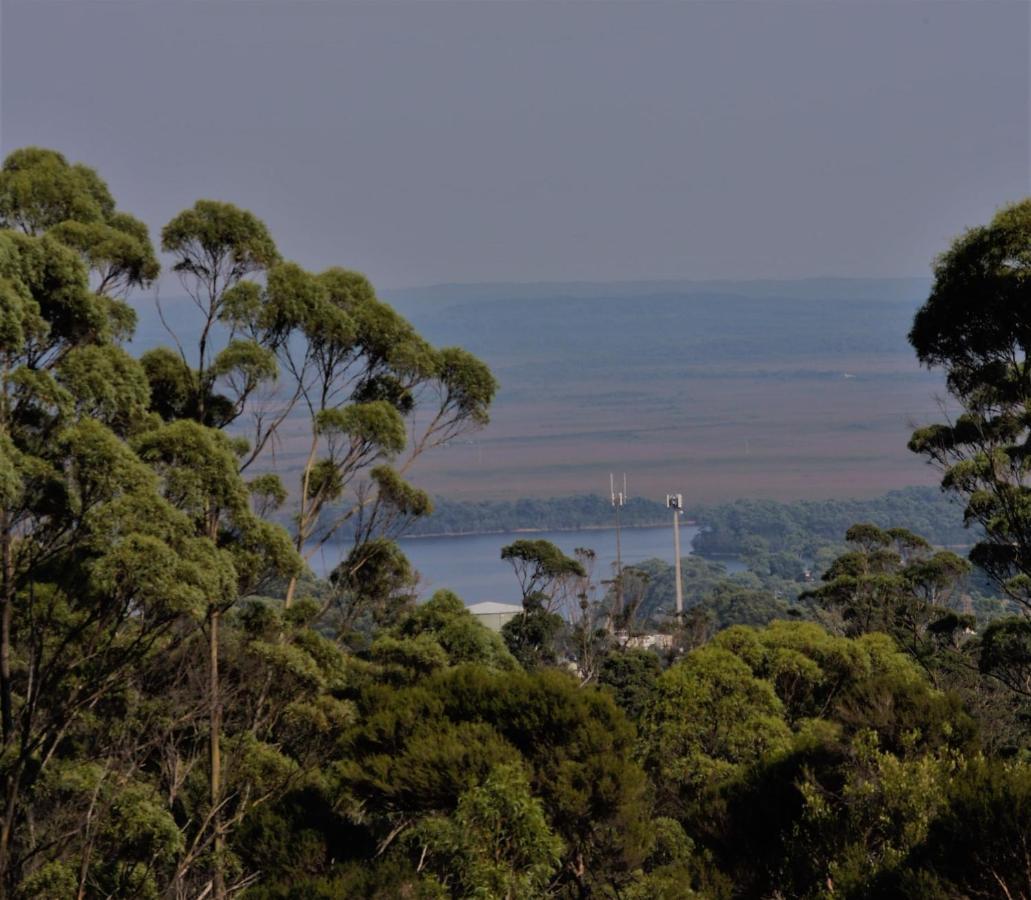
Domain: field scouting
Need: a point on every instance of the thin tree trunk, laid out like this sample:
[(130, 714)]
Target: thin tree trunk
[(304, 515), (214, 739), (6, 711), (10, 782), (10, 810)]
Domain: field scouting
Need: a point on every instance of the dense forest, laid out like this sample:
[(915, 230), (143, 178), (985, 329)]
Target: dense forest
[(534, 514), (805, 527), (186, 712), (800, 526)]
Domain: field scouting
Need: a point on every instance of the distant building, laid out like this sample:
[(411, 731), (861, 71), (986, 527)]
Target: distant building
[(494, 615), (645, 641)]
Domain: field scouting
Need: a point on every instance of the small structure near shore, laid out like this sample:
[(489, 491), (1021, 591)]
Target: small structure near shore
[(493, 614), (651, 641)]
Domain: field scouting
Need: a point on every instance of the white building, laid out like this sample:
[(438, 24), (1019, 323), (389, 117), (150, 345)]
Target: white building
[(494, 615)]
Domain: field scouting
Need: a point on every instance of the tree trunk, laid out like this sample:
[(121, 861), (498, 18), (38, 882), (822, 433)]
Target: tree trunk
[(6, 827), (214, 739), (10, 782), (291, 588), (305, 514), (6, 613)]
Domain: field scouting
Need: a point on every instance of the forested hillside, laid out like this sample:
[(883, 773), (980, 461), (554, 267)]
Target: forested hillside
[(186, 712)]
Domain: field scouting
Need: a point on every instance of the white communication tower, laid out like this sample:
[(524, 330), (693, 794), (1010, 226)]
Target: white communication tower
[(619, 498), (675, 502)]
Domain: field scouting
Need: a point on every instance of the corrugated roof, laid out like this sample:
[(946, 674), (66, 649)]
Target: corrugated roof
[(489, 607)]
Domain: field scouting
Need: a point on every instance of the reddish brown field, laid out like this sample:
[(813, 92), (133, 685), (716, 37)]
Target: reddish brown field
[(779, 390), (804, 432)]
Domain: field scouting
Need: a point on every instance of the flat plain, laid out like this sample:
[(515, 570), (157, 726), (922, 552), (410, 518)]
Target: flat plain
[(718, 390)]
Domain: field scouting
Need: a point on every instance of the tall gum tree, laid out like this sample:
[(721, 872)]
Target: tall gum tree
[(976, 327), (97, 565), (274, 338), (375, 395), (127, 529), (217, 247)]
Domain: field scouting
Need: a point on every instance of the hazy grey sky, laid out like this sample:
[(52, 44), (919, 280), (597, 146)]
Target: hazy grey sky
[(435, 141)]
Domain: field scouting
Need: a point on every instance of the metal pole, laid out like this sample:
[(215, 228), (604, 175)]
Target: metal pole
[(618, 499), (676, 555), (675, 502), (619, 560)]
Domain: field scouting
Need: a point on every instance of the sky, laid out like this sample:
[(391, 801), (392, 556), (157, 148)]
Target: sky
[(428, 142)]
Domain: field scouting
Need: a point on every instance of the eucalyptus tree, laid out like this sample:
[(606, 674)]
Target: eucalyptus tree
[(547, 577), (377, 397), (91, 471), (272, 338), (372, 391), (893, 581), (976, 327), (126, 525), (97, 565), (542, 569), (41, 193), (217, 248)]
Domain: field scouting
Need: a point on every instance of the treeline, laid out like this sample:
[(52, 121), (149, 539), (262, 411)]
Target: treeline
[(805, 527), (802, 526), (548, 514)]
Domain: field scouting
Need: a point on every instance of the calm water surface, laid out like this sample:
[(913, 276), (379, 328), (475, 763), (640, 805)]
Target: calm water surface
[(471, 565)]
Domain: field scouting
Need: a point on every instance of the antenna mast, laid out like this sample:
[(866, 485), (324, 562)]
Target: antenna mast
[(618, 499), (675, 502)]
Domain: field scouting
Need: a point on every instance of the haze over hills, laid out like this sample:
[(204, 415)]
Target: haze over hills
[(721, 390)]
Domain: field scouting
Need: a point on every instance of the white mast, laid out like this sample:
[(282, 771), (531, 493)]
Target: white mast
[(676, 503)]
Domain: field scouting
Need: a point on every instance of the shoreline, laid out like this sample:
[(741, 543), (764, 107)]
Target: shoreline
[(454, 534)]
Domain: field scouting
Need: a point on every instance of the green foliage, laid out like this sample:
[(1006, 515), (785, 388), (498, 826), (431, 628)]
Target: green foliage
[(108, 385), (374, 424), (547, 514), (1005, 653), (118, 251), (851, 787), (398, 494), (533, 635), (892, 581), (218, 240), (39, 189), (974, 327), (975, 846), (540, 566), (632, 675), (496, 844), (804, 528), (420, 748), (468, 385), (375, 581), (445, 619), (710, 720)]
